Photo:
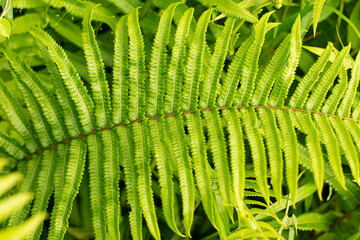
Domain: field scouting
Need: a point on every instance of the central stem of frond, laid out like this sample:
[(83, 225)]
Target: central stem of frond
[(67, 141)]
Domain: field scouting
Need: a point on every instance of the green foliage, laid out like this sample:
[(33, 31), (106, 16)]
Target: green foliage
[(5, 28), (210, 119), (8, 205), (6, 18)]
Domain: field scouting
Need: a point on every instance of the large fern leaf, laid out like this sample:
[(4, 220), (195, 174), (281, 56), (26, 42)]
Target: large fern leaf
[(177, 122)]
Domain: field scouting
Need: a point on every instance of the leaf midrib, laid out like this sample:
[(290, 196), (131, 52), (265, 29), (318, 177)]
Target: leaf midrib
[(93, 132)]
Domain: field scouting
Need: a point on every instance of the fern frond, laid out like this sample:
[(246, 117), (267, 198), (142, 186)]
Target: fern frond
[(41, 126), (348, 146), (111, 180), (161, 155), (44, 187), (254, 202), (194, 64), (18, 118), (212, 72), (202, 173), (74, 86), (348, 61), (332, 149), (71, 120), (97, 187), (158, 66), (345, 105), (257, 150), (237, 155), (353, 128), (318, 5), (219, 155), (313, 221), (250, 67), (271, 73), (49, 106), (300, 95), (74, 171), (197, 145), (12, 147), (272, 140), (163, 122), (136, 68), (184, 167), (60, 171), (128, 161), (228, 88), (98, 83), (281, 87), (288, 134), (228, 7), (314, 147), (332, 102), (142, 160), (120, 83), (175, 71), (317, 97)]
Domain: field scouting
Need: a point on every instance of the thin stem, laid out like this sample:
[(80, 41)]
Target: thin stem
[(337, 12), (341, 9), (67, 141)]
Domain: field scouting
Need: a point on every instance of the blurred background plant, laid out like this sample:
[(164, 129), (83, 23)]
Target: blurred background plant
[(10, 203)]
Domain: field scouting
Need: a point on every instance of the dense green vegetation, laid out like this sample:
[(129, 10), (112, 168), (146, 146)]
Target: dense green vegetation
[(166, 119)]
